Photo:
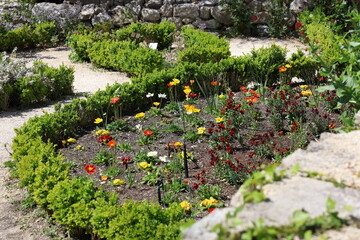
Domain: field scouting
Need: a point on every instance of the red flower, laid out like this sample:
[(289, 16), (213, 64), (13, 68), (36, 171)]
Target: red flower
[(302, 32), (321, 78), (169, 85), (104, 139), (243, 89), (298, 25), (195, 186), (213, 83), (90, 169), (115, 100), (192, 95), (111, 143), (148, 132), (254, 18), (211, 210)]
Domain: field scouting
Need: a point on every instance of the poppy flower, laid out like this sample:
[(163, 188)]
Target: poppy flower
[(211, 210), (282, 69), (98, 120), (112, 143), (148, 132), (213, 83), (115, 100), (298, 25), (252, 99), (90, 169)]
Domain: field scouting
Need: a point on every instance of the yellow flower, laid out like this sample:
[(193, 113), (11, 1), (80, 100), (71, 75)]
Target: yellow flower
[(144, 165), (221, 96), (176, 144), (102, 132), (156, 104), (79, 148), (288, 66), (98, 120), (201, 130), (118, 182), (185, 205), (140, 115), (304, 86), (209, 202), (175, 81), (187, 90), (71, 140), (191, 109), (219, 119), (306, 93)]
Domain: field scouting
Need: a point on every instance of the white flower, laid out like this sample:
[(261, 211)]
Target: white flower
[(162, 95), (138, 127), (163, 158), (152, 154), (149, 95)]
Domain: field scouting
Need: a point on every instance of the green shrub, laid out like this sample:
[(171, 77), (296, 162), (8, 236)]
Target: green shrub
[(319, 33), (264, 64), (125, 56), (161, 33), (36, 152), (304, 67), (143, 220), (47, 175), (202, 47), (81, 43), (44, 33), (70, 202)]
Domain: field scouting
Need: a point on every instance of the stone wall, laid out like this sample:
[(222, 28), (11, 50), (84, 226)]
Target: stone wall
[(207, 14)]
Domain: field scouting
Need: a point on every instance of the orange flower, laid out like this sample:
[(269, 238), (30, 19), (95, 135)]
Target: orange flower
[(115, 100), (104, 178), (213, 83), (148, 132), (281, 132), (252, 99), (90, 169), (192, 82), (186, 181), (332, 126), (282, 69), (112, 143)]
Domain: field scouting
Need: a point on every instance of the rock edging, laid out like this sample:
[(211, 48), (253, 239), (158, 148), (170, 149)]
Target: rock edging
[(327, 168)]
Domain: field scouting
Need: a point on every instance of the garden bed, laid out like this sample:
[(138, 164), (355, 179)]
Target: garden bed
[(227, 136)]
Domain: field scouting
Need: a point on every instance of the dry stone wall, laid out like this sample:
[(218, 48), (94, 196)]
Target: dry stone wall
[(207, 14)]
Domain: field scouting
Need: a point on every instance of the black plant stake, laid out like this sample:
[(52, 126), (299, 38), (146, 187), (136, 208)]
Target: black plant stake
[(186, 163), (159, 186)]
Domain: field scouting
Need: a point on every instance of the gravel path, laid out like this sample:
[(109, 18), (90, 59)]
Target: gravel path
[(20, 225)]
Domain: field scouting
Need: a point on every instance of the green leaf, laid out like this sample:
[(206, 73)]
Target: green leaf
[(308, 235), (348, 208), (325, 88), (295, 169), (330, 204), (300, 217), (255, 197)]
